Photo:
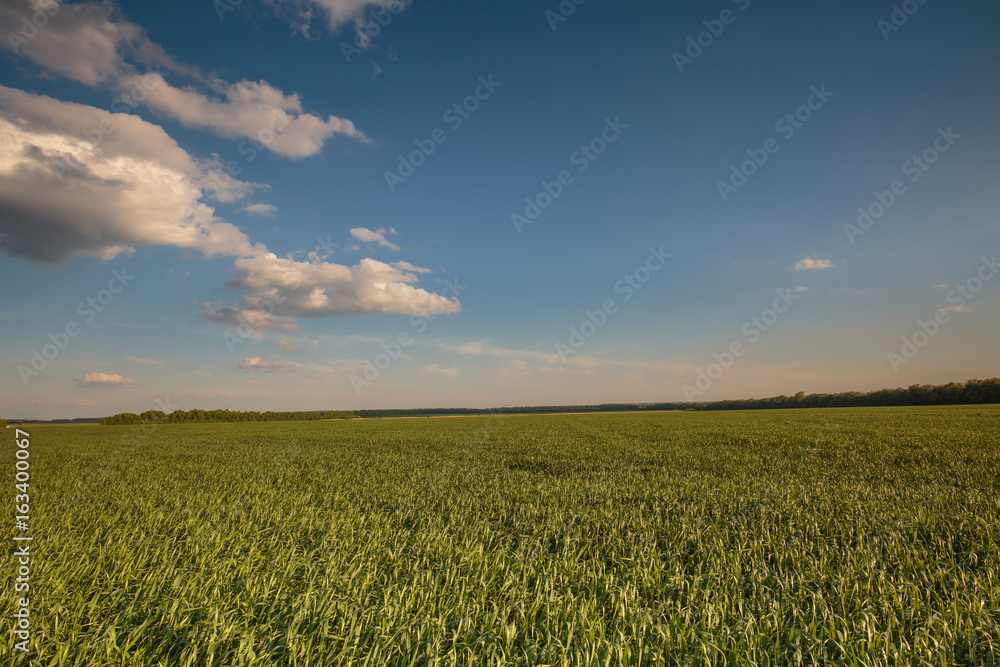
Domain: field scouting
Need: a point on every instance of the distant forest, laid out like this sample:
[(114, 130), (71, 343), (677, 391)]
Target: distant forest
[(210, 416), (954, 393)]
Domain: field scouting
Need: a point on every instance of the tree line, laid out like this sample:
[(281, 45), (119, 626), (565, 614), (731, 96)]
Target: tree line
[(210, 416), (954, 393)]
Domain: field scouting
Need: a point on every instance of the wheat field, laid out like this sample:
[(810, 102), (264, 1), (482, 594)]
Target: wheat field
[(802, 537)]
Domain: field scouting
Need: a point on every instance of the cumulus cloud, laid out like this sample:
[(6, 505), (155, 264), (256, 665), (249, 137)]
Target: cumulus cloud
[(63, 195), (258, 365), (375, 236), (315, 289), (91, 43), (810, 264), (84, 41), (80, 181), (104, 380)]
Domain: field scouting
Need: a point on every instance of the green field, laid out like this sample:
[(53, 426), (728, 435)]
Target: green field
[(842, 536)]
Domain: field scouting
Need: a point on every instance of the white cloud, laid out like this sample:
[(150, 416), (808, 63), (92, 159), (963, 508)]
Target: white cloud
[(406, 266), (810, 264), (246, 109), (375, 236), (341, 366), (482, 348), (435, 369), (550, 362), (61, 195), (336, 12), (256, 318), (104, 380), (256, 364), (314, 289), (89, 42), (288, 347), (147, 362), (82, 41), (264, 210)]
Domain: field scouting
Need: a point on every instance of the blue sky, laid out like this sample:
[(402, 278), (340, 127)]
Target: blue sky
[(237, 168)]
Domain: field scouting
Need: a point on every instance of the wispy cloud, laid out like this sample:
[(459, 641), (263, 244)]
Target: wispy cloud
[(262, 210), (336, 12), (375, 236), (258, 365), (435, 369), (105, 380), (482, 348), (147, 362), (811, 264)]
